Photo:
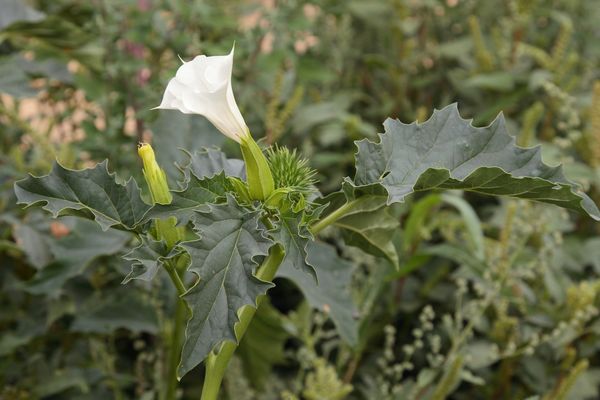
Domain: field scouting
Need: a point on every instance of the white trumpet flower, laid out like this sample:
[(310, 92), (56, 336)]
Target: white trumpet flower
[(203, 86)]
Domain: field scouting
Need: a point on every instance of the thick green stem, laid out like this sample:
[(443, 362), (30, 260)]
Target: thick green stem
[(175, 349), (176, 279), (216, 364), (181, 313), (331, 218)]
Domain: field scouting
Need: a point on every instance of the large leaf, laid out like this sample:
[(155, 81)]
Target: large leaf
[(332, 294), (174, 131), (93, 192), (17, 10), (294, 236), (74, 252), (232, 239), (447, 152)]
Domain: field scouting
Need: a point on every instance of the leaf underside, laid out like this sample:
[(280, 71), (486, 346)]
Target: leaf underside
[(332, 294), (232, 238), (208, 162), (369, 225), (447, 152)]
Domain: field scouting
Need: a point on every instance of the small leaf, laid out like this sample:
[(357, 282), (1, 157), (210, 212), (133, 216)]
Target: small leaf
[(332, 294), (370, 226), (232, 239), (120, 309), (93, 192), (9, 341), (147, 259), (294, 236), (194, 197), (366, 222), (59, 381), (472, 223), (31, 235), (496, 81), (458, 254), (447, 152), (420, 211), (18, 11)]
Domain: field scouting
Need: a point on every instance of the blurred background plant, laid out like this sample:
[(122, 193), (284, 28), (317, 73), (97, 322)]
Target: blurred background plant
[(492, 299)]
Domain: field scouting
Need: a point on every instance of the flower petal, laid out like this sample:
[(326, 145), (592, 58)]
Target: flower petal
[(203, 86)]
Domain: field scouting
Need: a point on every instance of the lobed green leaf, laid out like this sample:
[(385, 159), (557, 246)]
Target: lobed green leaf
[(93, 192), (293, 234), (232, 239), (447, 152), (147, 258)]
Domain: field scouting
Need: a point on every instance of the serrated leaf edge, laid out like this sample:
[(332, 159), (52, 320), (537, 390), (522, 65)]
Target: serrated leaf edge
[(594, 213), (18, 189)]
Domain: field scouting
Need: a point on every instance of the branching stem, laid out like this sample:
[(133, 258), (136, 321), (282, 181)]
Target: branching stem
[(332, 218), (216, 363)]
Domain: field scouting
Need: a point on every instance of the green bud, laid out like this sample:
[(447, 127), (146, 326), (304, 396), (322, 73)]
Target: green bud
[(258, 173), (155, 176), (156, 179)]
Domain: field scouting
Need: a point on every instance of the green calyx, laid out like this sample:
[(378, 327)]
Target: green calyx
[(258, 173), (156, 179)]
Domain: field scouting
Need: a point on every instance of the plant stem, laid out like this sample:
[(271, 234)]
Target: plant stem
[(331, 218), (449, 379), (175, 350), (181, 313), (216, 364), (175, 278)]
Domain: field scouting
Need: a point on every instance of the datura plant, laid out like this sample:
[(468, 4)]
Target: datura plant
[(228, 228)]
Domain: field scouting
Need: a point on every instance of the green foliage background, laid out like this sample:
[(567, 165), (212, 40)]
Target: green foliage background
[(492, 299)]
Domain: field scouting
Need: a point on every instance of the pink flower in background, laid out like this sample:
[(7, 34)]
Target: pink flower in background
[(136, 50), (144, 5), (143, 76)]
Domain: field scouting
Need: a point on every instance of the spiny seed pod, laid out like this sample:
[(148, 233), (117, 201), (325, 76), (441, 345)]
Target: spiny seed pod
[(290, 170)]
